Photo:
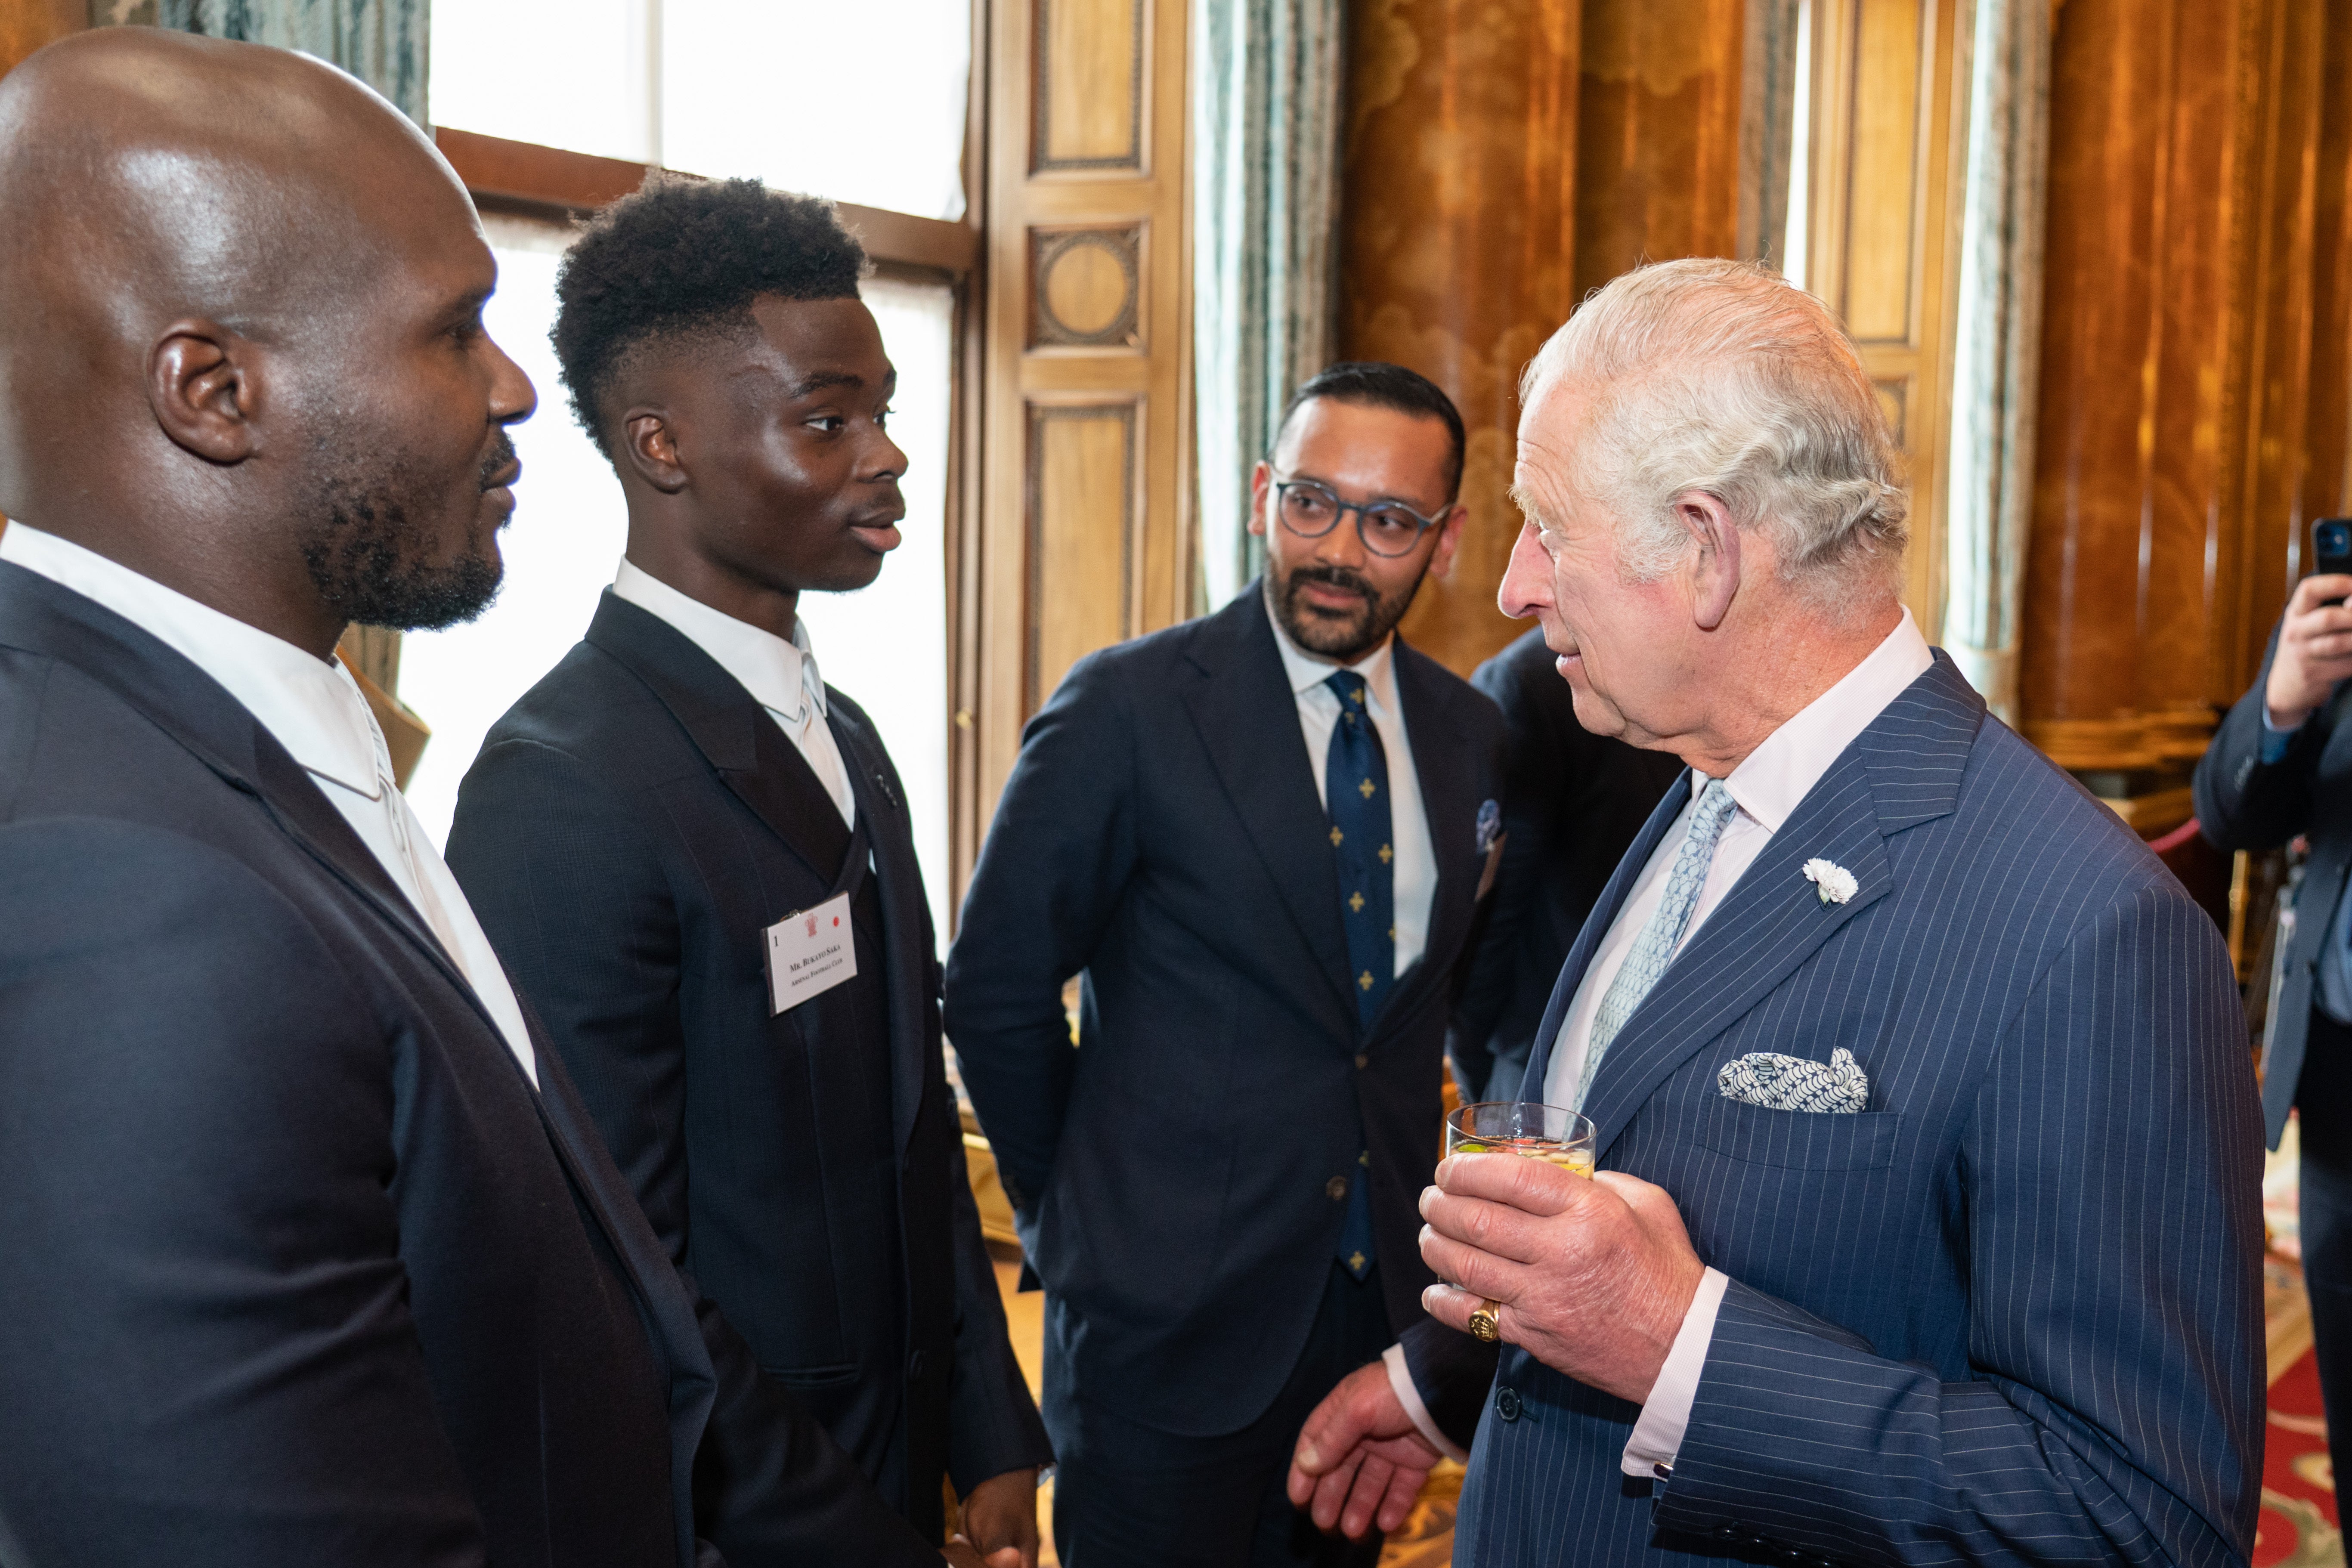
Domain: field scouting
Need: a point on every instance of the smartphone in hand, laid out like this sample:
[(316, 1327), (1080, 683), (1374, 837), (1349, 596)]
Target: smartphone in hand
[(2331, 547)]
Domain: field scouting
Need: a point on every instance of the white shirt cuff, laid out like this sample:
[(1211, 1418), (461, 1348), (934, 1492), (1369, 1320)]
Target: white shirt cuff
[(1658, 1434), (1401, 1380)]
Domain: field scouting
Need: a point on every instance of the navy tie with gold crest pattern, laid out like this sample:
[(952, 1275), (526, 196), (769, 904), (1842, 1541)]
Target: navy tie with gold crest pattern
[(1355, 795)]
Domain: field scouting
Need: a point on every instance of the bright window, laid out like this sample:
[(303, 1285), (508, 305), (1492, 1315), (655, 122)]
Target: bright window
[(887, 647), (861, 103), (560, 549), (575, 74)]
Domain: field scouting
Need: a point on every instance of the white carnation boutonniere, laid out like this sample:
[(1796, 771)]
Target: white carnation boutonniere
[(1833, 881)]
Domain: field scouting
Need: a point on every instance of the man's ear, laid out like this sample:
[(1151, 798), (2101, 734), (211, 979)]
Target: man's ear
[(205, 384), (1714, 581), (1449, 539), (650, 448), (1261, 485)]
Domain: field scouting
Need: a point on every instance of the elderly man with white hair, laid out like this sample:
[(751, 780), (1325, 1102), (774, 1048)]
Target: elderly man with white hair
[(1926, 1229)]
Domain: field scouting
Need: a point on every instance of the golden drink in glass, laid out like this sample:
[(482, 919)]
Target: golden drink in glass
[(1527, 1127)]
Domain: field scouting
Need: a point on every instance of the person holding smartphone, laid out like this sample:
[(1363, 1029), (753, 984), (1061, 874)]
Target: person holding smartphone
[(2279, 766)]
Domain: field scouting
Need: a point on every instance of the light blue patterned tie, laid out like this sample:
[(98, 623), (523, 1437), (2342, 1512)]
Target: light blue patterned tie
[(1654, 950)]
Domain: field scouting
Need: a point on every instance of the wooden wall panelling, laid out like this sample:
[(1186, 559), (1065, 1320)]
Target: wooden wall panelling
[(2112, 79), (1082, 509), (2196, 368), (1882, 230), (1499, 162), (2326, 488), (27, 25), (1457, 249), (1081, 534), (2194, 395), (2277, 444), (1657, 142)]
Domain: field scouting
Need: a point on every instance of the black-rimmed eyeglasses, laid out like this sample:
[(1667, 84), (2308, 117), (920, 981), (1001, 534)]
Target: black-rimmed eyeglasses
[(1310, 510)]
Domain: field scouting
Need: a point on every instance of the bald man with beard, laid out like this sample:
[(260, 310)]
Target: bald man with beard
[(308, 1253)]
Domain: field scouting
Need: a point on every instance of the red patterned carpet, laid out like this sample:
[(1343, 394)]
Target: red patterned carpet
[(2298, 1524), (2299, 1528)]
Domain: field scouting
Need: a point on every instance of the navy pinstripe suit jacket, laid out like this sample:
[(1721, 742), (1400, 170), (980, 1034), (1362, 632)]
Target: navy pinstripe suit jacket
[(2011, 1312)]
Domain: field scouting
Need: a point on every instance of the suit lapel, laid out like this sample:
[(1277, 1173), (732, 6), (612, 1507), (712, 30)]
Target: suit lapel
[(669, 1311), (898, 884), (1770, 921), (1903, 770), (176, 696), (761, 767), (1596, 926), (199, 714), (1247, 718), (1445, 767), (783, 792), (302, 810), (753, 759)]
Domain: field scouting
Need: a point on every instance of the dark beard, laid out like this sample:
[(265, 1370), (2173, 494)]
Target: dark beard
[(369, 562), (1347, 639)]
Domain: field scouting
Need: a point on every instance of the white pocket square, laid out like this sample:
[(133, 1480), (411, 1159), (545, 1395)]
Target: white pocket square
[(1796, 1083)]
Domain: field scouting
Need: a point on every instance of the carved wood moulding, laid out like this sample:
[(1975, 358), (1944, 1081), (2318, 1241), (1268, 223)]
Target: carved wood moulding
[(1085, 288), (1082, 510), (1087, 87)]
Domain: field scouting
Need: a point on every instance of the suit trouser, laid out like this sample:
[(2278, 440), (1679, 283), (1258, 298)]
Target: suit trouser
[(2323, 1099), (1130, 1495)]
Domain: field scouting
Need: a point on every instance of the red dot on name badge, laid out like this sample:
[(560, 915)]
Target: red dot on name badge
[(836, 920)]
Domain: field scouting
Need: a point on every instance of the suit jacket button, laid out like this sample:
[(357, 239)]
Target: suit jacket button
[(1727, 1532), (1363, 1061), (1335, 1188), (1507, 1403)]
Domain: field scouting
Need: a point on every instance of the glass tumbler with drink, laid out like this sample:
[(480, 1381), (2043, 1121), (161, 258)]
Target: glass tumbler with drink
[(1551, 1132), (1529, 1128)]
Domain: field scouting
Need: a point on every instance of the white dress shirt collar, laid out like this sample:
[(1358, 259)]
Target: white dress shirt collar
[(1782, 772), (1308, 670), (317, 712), (312, 705), (782, 676)]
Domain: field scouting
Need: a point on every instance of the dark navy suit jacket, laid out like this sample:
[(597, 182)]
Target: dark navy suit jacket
[(2009, 1313), (1572, 800), (2244, 803), (1179, 1177), (632, 827), (297, 1267)]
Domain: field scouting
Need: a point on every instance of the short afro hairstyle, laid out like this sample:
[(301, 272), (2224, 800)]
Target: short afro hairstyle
[(1377, 384), (684, 257)]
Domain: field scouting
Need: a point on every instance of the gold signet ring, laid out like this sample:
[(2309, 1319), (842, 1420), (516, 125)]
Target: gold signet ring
[(1484, 1327)]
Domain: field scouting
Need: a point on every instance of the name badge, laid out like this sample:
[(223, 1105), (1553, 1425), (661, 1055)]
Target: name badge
[(809, 953)]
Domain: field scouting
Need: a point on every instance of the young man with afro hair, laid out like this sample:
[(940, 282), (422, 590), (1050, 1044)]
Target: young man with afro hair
[(697, 859)]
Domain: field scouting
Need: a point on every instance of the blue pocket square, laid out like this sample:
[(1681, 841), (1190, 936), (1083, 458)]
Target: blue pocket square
[(1796, 1083)]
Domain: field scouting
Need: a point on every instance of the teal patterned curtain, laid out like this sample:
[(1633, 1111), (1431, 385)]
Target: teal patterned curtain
[(1768, 127), (1266, 136), (1996, 375), (382, 42)]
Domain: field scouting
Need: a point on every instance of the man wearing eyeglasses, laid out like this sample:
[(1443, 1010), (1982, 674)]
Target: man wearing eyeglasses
[(1259, 840)]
